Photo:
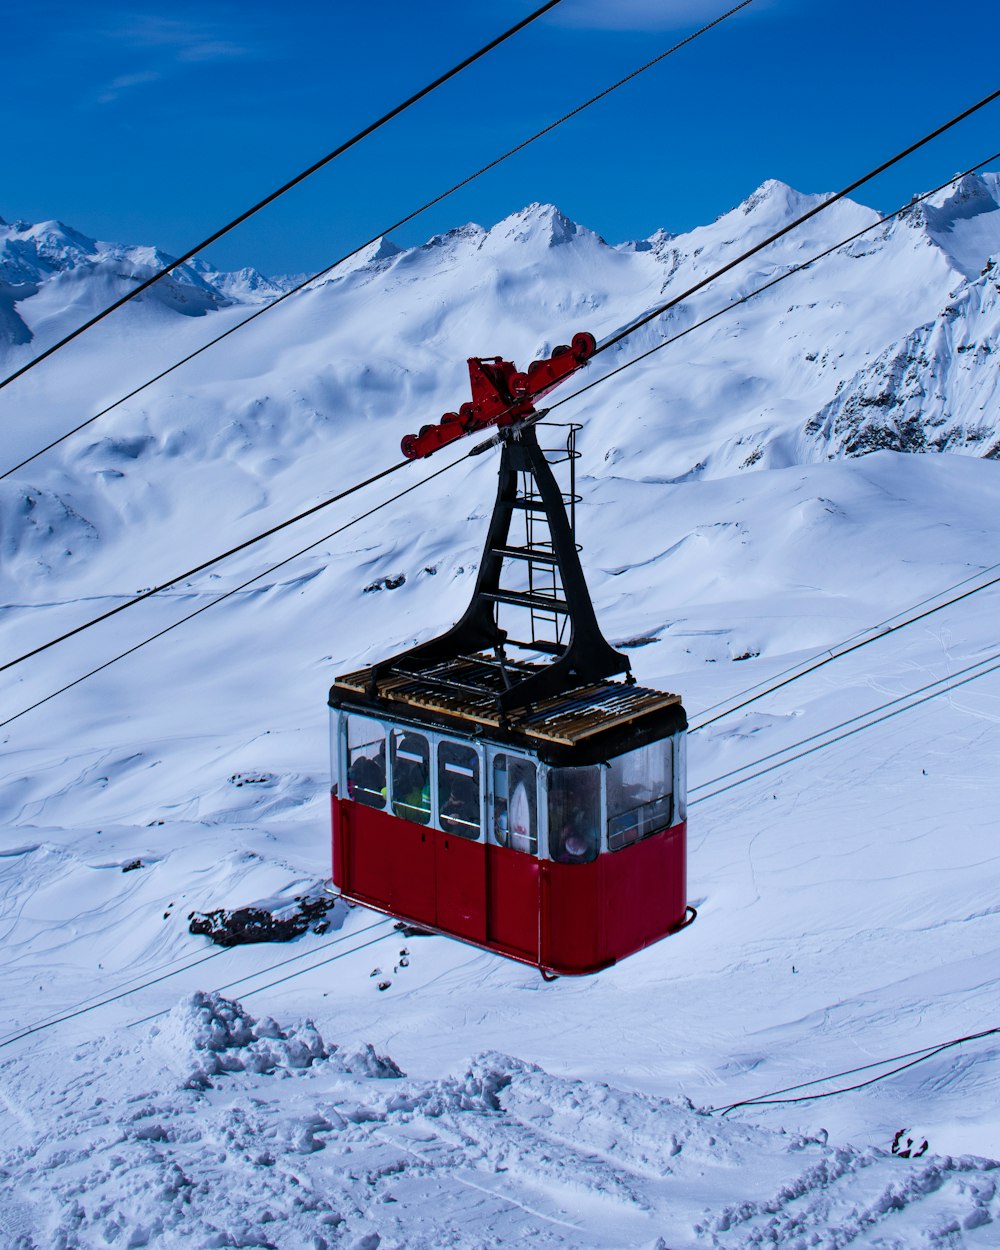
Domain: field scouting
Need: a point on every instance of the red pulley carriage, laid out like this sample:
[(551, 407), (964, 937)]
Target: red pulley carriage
[(498, 784)]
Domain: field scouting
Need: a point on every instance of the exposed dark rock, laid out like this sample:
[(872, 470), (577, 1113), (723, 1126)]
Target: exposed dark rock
[(386, 583), (244, 925)]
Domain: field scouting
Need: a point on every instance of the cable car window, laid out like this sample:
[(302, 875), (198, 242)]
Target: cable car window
[(334, 751), (574, 814), (459, 794), (639, 794), (365, 761), (411, 776), (680, 772), (515, 803)]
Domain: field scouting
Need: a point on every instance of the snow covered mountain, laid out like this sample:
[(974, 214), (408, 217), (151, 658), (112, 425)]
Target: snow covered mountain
[(750, 500), (64, 273)]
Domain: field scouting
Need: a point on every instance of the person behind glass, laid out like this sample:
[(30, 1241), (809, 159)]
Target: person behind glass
[(460, 810), (411, 788), (576, 842), (366, 781)]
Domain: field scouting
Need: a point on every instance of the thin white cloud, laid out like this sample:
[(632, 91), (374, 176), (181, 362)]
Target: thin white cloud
[(640, 14), (186, 39), (213, 50), (124, 82), (168, 46)]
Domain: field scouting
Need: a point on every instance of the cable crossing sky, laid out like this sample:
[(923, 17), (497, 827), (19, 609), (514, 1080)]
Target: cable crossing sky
[(386, 230), (280, 191)]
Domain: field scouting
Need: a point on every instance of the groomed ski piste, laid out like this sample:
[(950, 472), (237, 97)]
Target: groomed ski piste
[(798, 471)]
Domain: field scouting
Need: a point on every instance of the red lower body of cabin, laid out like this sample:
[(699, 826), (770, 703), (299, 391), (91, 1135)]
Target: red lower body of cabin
[(568, 919)]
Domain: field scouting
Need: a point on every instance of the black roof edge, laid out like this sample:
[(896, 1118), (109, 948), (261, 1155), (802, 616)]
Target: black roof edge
[(603, 745)]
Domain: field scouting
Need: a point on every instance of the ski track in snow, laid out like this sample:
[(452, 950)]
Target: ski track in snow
[(751, 496)]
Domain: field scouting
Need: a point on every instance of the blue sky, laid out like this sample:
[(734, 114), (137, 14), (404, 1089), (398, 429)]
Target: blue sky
[(155, 123)]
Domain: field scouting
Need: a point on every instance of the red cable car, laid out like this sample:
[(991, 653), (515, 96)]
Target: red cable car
[(511, 793)]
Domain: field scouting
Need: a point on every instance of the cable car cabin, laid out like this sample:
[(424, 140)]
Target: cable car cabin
[(497, 784), (558, 840)]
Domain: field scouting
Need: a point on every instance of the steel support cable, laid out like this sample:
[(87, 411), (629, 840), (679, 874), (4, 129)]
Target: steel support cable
[(228, 594), (85, 1010), (851, 720), (274, 195), (841, 649), (768, 686), (744, 299), (82, 1011), (301, 972), (216, 559), (812, 212), (263, 972), (199, 568), (170, 963), (411, 216), (793, 225), (917, 1056), (322, 964), (948, 684)]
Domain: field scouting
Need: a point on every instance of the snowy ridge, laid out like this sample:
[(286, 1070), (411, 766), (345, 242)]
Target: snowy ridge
[(65, 267), (938, 390)]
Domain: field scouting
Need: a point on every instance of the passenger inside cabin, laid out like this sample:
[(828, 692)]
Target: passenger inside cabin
[(460, 808), (577, 842), (366, 780), (574, 814), (411, 788)]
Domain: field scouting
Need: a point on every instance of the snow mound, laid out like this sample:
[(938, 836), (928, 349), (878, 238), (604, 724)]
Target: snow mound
[(208, 1035), (364, 1060)]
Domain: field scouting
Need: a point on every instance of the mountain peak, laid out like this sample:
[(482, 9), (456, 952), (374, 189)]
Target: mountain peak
[(774, 194), (656, 242), (966, 198), (542, 222), (963, 221)]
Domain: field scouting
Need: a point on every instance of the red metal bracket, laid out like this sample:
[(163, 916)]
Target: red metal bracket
[(501, 395)]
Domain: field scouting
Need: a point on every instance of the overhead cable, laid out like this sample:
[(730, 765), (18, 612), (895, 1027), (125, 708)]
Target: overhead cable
[(205, 564), (92, 1004), (411, 216), (566, 399), (827, 656), (82, 1011), (793, 225), (782, 277), (914, 1056), (88, 1006), (947, 684), (227, 594), (840, 650), (274, 195), (252, 976)]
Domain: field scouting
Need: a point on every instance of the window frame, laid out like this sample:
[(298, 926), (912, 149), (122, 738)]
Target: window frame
[(345, 755), (541, 824), (443, 739), (670, 753), (602, 809), (399, 731), (337, 770)]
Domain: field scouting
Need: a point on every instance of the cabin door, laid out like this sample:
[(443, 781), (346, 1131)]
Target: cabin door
[(460, 853)]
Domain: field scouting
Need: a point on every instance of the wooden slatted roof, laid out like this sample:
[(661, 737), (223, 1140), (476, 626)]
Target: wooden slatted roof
[(465, 689)]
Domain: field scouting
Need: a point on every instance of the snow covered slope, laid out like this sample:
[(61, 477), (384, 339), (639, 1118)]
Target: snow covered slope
[(731, 525)]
